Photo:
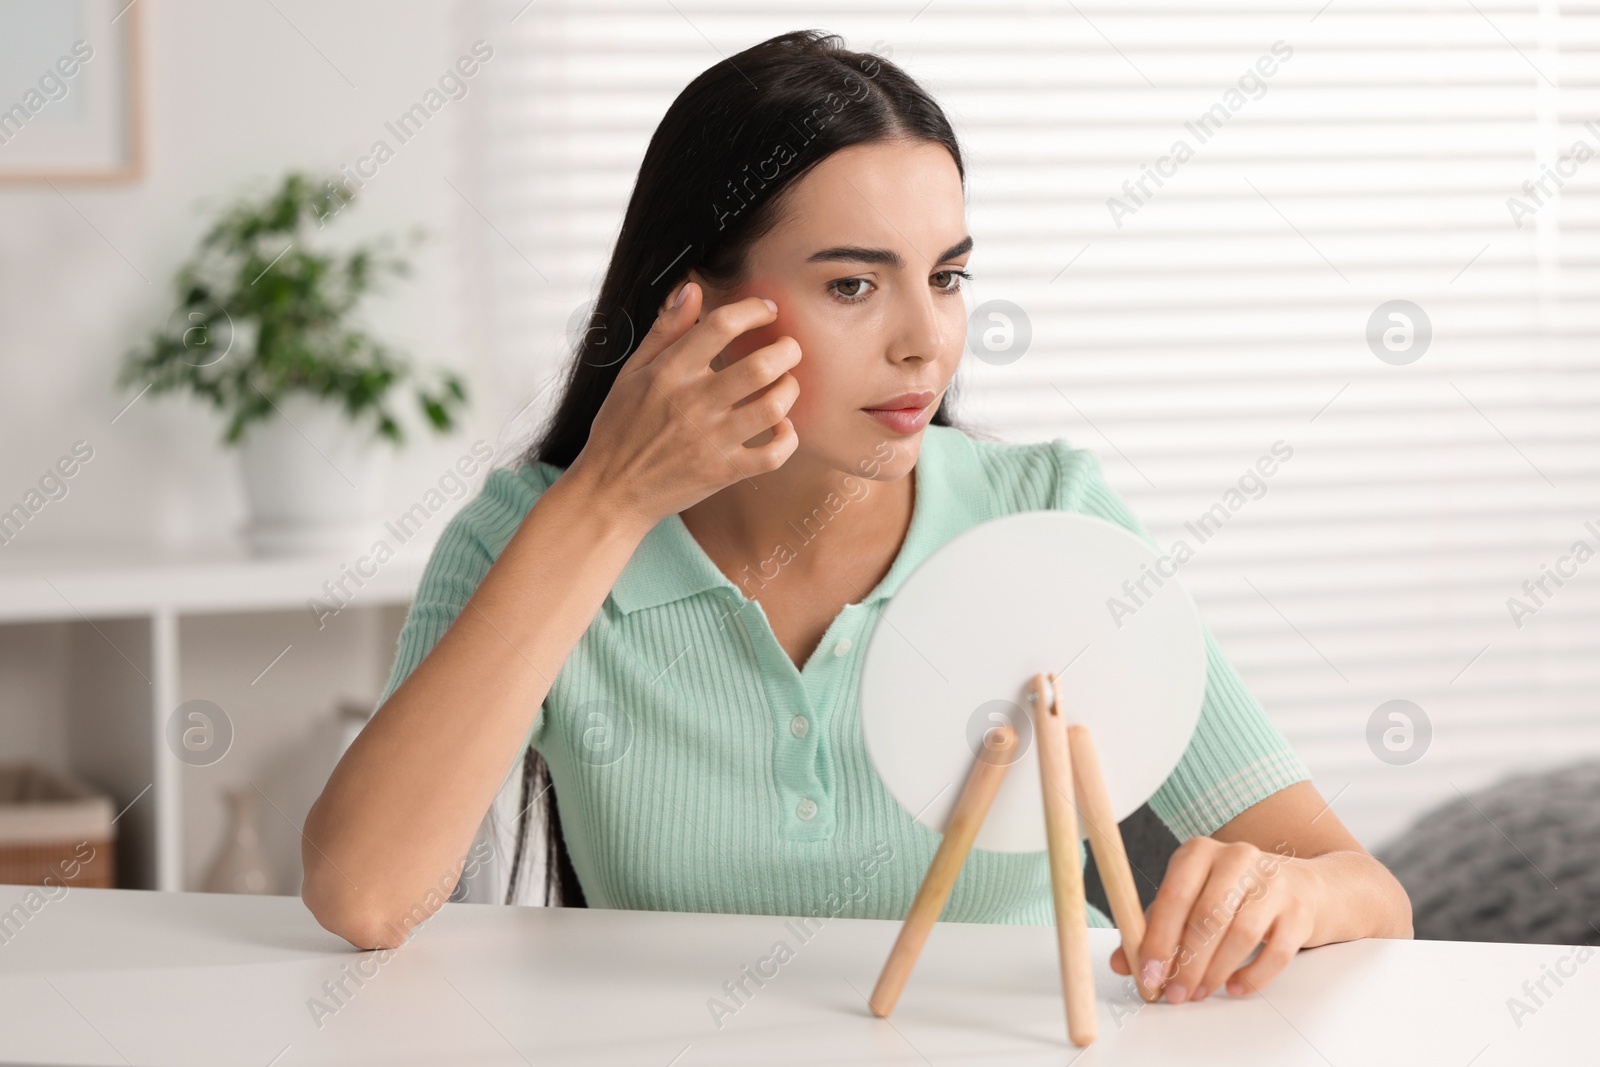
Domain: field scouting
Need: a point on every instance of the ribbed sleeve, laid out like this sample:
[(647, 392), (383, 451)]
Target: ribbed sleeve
[(466, 549)]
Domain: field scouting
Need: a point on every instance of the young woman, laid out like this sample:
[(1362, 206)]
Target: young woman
[(662, 609)]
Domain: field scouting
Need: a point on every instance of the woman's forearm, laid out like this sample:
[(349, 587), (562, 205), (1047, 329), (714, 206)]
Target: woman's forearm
[(402, 806), (1359, 898)]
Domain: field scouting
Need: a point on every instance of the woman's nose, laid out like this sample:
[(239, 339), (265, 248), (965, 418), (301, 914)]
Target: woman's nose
[(920, 328)]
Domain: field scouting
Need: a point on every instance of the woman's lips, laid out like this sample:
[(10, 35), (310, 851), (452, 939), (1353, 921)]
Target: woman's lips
[(902, 420)]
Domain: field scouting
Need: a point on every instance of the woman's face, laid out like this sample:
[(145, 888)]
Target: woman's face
[(867, 271)]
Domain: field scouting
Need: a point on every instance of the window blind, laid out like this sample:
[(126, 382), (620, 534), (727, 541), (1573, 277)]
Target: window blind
[(1205, 213)]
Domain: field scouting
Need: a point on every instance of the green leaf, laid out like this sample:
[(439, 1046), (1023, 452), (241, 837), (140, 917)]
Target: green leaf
[(265, 266)]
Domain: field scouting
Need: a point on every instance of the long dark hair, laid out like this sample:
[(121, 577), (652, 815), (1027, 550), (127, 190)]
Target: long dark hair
[(710, 185)]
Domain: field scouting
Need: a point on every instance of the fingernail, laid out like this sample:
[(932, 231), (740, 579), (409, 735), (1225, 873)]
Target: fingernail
[(1176, 992), (1236, 989), (770, 305), (683, 292), (1201, 993), (1150, 974)]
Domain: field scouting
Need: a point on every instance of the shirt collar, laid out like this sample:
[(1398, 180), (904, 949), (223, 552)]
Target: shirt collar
[(951, 495)]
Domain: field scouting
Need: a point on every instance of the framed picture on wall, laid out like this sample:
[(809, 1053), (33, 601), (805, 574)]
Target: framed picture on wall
[(71, 93)]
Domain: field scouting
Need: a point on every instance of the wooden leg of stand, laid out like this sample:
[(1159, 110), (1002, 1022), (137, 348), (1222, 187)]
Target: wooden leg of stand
[(983, 781), (1110, 854), (1066, 871)]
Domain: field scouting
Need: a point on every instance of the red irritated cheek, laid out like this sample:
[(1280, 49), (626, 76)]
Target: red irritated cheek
[(787, 324), (782, 326)]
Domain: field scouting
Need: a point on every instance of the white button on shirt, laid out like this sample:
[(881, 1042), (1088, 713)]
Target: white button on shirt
[(806, 808), (799, 725), (842, 647)]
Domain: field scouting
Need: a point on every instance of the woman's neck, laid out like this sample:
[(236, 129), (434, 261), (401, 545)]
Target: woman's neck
[(805, 517)]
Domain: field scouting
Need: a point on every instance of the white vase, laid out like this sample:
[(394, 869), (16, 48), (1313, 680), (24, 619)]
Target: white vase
[(241, 863), (314, 481)]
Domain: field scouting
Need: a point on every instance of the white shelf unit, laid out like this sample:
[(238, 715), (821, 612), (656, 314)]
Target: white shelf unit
[(129, 616)]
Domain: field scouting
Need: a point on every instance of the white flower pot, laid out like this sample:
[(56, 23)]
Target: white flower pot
[(314, 481)]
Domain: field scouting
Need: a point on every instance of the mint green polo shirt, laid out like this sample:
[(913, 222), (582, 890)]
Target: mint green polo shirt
[(699, 770)]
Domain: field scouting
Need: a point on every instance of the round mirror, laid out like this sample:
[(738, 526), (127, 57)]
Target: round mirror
[(1053, 591)]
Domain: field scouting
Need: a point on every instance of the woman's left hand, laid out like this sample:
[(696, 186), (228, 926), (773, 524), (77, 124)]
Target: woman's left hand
[(1217, 902)]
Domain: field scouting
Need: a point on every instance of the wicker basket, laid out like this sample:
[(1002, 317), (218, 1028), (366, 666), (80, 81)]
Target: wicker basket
[(53, 830)]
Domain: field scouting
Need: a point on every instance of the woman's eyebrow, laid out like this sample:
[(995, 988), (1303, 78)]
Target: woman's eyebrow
[(888, 257)]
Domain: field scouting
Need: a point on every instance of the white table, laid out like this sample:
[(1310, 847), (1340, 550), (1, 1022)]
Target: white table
[(117, 977)]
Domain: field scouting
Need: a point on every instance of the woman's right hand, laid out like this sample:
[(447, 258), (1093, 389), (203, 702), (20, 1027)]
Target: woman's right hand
[(672, 430)]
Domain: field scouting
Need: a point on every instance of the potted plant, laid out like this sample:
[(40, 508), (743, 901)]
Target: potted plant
[(265, 331)]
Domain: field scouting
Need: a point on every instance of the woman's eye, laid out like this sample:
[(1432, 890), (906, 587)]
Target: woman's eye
[(850, 296), (854, 290)]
